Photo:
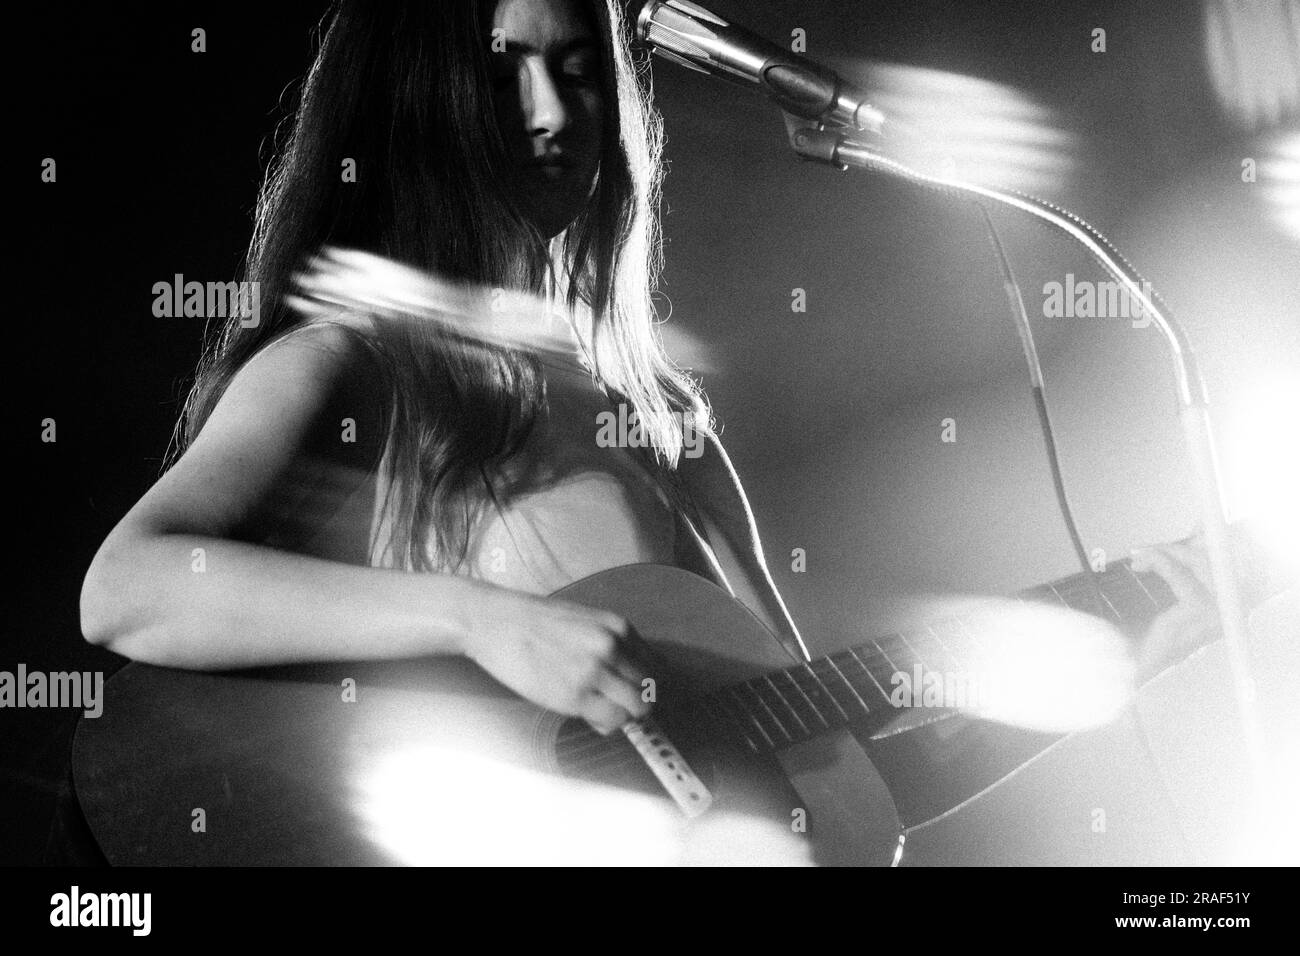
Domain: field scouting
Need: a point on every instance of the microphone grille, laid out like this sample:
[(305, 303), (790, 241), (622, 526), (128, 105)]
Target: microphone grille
[(675, 42), (678, 27)]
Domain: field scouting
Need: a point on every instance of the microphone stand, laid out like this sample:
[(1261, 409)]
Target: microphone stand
[(832, 146)]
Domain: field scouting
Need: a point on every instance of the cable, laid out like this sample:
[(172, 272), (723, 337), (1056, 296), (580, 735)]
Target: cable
[(1021, 320)]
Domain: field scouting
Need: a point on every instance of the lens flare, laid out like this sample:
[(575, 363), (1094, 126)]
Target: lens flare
[(1261, 465), (436, 806), (1021, 663), (1253, 54), (1278, 176), (969, 129)]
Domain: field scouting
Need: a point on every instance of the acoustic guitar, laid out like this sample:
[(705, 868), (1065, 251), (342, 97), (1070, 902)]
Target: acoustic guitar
[(279, 765)]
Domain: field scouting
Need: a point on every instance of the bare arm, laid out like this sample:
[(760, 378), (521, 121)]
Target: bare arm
[(242, 483), (184, 579)]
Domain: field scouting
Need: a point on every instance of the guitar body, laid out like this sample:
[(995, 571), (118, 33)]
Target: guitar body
[(349, 763), (266, 766)]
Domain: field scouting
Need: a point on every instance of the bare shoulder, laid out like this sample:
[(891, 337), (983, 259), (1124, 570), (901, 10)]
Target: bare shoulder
[(297, 429), (309, 385), (326, 357)]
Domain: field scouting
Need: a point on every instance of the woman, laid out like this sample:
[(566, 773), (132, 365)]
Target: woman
[(451, 447), (501, 144)]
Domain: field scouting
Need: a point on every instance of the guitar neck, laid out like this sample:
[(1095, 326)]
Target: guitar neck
[(853, 686)]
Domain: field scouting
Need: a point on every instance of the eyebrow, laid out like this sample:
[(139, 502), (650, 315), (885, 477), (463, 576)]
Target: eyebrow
[(579, 43)]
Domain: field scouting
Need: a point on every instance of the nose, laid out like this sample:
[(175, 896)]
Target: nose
[(543, 107)]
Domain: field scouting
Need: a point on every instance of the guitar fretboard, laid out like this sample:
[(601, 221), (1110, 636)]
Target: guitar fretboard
[(853, 686)]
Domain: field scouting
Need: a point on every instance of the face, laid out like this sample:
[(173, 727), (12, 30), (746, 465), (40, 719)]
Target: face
[(546, 78)]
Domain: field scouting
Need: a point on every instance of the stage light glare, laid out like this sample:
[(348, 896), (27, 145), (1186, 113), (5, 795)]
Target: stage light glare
[(1270, 836), (1278, 177), (973, 130), (1032, 665), (1261, 465), (1253, 55), (434, 806)]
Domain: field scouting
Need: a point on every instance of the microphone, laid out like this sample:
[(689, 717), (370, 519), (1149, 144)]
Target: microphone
[(689, 35)]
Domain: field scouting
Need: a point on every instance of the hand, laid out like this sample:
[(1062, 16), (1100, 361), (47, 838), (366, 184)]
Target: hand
[(1193, 620), (566, 657)]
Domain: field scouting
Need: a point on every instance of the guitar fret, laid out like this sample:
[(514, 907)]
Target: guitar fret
[(850, 674), (780, 727), (901, 649), (865, 708), (1113, 609), (1133, 576), (1079, 599), (1117, 583), (1090, 597), (918, 661), (825, 690), (748, 713), (1117, 594), (928, 637), (781, 697), (881, 661), (894, 667), (811, 706), (829, 684), (954, 663), (719, 708), (853, 653)]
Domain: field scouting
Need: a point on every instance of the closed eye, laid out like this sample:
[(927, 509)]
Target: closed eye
[(581, 67)]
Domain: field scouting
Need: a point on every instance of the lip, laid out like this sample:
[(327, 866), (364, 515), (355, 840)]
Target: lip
[(551, 161)]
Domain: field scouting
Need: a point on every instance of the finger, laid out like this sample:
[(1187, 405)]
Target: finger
[(602, 714), (627, 664), (1194, 557), (623, 693), (624, 654), (1181, 581), (634, 648)]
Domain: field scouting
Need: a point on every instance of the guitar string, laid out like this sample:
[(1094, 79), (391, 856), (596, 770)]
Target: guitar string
[(1074, 594), (1071, 593)]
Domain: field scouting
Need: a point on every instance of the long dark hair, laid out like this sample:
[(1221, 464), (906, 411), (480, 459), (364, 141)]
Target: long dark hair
[(404, 90)]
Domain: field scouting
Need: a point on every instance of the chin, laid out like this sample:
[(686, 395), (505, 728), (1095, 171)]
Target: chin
[(551, 223), (555, 209)]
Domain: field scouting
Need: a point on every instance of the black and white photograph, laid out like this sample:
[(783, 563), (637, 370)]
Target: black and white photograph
[(588, 433)]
